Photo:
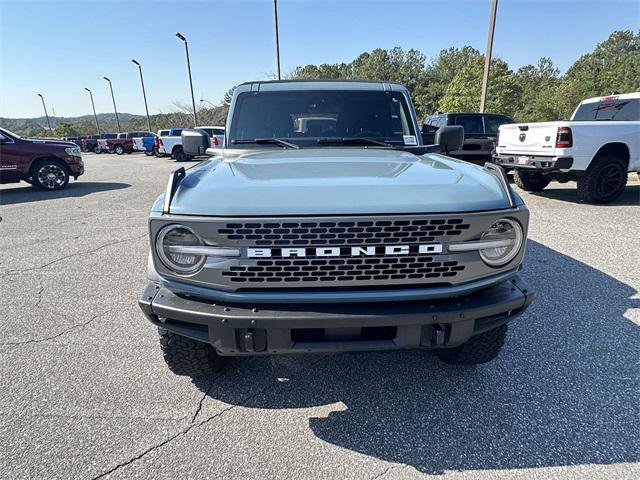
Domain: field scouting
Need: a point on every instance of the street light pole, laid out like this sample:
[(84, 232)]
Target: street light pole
[(202, 100), (94, 110), (193, 98), (275, 16), (487, 55), (114, 102), (144, 94), (45, 111)]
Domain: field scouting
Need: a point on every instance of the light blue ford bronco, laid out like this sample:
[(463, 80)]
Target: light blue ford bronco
[(325, 225)]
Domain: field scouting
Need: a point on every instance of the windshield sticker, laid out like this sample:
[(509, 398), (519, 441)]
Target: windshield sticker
[(410, 140)]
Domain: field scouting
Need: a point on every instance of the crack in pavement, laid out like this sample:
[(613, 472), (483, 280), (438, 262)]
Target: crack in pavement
[(39, 295), (387, 470), (64, 332), (193, 425), (116, 242)]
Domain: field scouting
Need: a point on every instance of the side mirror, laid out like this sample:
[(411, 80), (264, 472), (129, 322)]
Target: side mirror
[(450, 138), (195, 142)]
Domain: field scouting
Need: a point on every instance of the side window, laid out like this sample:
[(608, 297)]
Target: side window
[(218, 131), (472, 123)]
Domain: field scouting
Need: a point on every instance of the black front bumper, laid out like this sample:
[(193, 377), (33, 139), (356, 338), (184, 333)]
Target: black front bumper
[(268, 329), (533, 162)]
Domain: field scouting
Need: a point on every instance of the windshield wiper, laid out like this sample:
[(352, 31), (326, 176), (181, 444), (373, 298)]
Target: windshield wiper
[(265, 141), (353, 141)]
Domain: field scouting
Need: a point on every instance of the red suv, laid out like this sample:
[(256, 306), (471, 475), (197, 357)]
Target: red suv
[(47, 164)]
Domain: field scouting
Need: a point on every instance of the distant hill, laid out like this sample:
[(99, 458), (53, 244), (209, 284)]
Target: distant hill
[(85, 125), (34, 126)]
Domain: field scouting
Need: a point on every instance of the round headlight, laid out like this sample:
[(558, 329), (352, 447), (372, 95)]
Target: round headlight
[(170, 245), (507, 237)]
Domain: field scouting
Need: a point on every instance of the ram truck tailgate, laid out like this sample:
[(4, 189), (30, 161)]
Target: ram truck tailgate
[(529, 138)]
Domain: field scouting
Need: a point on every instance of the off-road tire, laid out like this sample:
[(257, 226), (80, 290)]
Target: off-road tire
[(119, 149), (590, 184), (479, 349), (530, 181), (58, 168), (179, 155), (188, 357)]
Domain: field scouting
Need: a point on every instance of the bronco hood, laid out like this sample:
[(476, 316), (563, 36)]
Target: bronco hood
[(335, 181)]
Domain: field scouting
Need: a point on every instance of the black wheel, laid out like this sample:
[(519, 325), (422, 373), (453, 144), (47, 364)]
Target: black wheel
[(479, 349), (50, 175), (185, 356), (96, 149), (604, 180), (530, 181), (119, 149), (149, 153), (179, 155)]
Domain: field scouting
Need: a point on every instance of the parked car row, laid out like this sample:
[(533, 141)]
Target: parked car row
[(167, 142)]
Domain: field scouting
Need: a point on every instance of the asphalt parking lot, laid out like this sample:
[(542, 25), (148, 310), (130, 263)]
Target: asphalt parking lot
[(84, 392)]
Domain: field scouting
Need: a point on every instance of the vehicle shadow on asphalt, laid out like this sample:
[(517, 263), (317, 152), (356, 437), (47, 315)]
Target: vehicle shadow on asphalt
[(630, 196), (563, 392), (29, 194)]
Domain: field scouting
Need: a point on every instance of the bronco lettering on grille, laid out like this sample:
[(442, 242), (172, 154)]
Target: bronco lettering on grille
[(344, 251)]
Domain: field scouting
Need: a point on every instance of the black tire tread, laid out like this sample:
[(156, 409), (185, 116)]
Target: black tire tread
[(188, 357), (39, 163), (530, 183), (587, 182), (479, 349)]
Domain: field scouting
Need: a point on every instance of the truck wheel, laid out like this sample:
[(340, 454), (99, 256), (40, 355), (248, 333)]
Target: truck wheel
[(149, 153), (50, 174), (157, 153), (119, 149), (530, 181), (188, 357), (96, 149), (604, 180), (479, 349), (179, 155)]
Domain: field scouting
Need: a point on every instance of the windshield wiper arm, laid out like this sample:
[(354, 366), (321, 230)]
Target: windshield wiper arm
[(353, 140), (265, 141)]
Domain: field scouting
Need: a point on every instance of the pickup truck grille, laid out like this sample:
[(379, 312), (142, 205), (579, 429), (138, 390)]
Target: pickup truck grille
[(370, 232), (341, 270)]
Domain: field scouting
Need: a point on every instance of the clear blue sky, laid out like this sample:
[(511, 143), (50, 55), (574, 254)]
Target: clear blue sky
[(60, 47)]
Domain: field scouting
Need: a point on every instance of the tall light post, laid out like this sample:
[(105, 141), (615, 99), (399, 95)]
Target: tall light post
[(144, 94), (487, 55), (94, 110), (275, 16), (45, 111), (114, 102), (193, 99)]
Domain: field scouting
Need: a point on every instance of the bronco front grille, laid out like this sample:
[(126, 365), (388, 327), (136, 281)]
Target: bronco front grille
[(369, 232), (345, 252), (411, 268)]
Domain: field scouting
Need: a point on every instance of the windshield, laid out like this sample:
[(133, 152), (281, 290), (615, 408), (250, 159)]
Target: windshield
[(625, 110), (305, 116)]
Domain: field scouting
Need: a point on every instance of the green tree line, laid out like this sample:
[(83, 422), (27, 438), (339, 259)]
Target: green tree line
[(452, 80)]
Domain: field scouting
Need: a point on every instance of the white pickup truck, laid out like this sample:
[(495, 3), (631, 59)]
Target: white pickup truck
[(171, 144), (596, 148)]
